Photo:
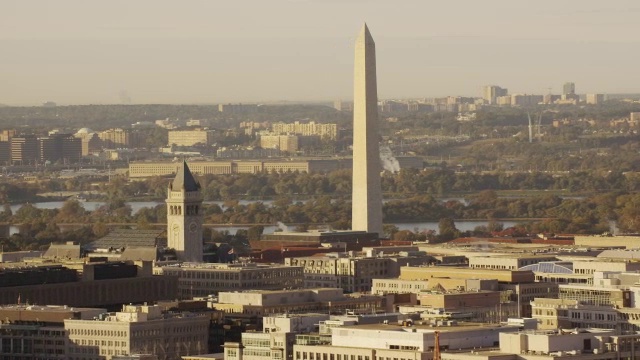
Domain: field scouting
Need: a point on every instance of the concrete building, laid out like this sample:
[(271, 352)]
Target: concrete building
[(398, 286), (37, 332), (554, 343), (354, 273), (293, 323), (507, 262), (433, 273), (568, 88), (90, 141), (288, 143), (63, 148), (190, 137), (101, 284), (24, 150), (367, 191), (526, 100), (118, 138), (595, 99), (184, 216), (5, 153), (491, 93), (205, 279), (379, 341), (260, 303), (324, 131), (503, 100), (139, 170), (137, 330), (590, 267), (238, 108)]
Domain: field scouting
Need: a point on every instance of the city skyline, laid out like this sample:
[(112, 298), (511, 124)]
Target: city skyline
[(71, 52)]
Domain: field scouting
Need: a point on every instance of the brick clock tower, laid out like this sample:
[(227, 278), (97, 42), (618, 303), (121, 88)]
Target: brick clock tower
[(184, 216)]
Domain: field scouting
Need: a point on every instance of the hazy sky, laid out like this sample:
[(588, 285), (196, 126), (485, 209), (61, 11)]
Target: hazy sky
[(210, 51)]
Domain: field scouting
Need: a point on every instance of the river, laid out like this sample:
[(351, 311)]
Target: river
[(462, 225)]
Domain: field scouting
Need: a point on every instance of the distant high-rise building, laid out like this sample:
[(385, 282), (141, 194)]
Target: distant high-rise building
[(526, 100), (288, 143), (367, 191), (59, 147), (312, 128), (491, 92), (568, 88), (5, 153), (237, 108), (90, 140), (190, 137), (24, 149), (116, 138), (6, 135), (595, 99)]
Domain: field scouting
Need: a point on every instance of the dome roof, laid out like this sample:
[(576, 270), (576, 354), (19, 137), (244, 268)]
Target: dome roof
[(85, 131)]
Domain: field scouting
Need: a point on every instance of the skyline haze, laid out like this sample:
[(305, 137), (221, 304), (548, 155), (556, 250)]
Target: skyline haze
[(73, 52)]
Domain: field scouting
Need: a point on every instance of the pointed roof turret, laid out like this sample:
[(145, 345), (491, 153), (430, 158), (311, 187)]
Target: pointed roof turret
[(185, 179)]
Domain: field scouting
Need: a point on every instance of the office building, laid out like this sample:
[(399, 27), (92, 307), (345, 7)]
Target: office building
[(526, 100), (94, 284), (238, 108), (260, 303), (507, 262), (90, 141), (491, 92), (37, 331), (24, 150), (190, 137), (5, 153), (119, 138), (595, 99), (137, 330), (286, 143), (324, 131), (569, 88), (206, 279), (63, 148), (354, 273)]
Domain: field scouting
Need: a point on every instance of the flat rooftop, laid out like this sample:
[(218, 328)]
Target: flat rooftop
[(466, 326)]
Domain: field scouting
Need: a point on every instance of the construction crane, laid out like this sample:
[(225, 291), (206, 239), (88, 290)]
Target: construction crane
[(436, 345)]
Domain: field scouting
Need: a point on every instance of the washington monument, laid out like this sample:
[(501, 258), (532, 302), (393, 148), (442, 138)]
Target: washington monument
[(366, 208)]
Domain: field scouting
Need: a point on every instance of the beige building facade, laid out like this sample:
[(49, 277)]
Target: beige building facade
[(205, 279), (190, 137), (137, 330)]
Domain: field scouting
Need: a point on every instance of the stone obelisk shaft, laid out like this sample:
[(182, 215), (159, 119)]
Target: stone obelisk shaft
[(366, 213)]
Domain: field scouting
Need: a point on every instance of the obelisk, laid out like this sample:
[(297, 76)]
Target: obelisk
[(366, 211)]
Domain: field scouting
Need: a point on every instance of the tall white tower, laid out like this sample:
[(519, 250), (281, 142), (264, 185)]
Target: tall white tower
[(366, 212), (184, 216)]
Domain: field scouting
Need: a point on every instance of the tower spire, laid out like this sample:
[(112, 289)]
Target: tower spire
[(367, 199)]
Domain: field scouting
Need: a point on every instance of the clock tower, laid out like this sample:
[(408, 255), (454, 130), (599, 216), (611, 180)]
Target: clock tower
[(184, 216)]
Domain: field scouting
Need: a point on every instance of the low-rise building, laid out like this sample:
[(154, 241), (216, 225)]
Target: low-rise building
[(200, 279), (355, 272), (261, 303), (137, 330), (507, 262)]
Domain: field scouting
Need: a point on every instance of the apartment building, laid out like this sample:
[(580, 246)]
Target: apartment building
[(325, 131)]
